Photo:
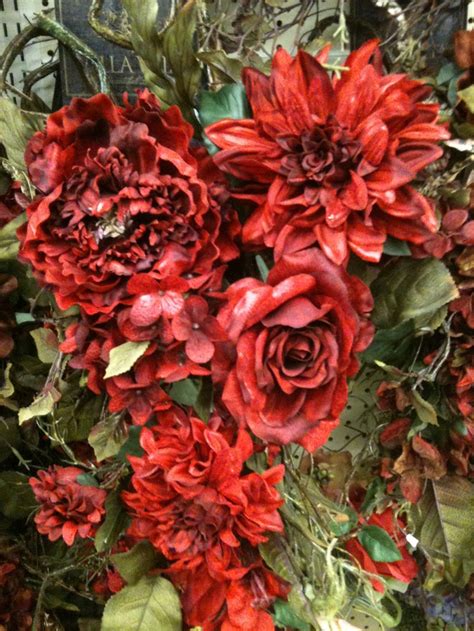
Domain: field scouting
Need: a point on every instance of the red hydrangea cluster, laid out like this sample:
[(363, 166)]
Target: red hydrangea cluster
[(67, 509), (335, 158), (192, 499)]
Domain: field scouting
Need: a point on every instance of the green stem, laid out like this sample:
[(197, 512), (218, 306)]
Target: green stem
[(77, 47)]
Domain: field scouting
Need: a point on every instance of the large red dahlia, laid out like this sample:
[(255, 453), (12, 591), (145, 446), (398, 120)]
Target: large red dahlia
[(192, 500), (293, 344), (120, 194), (335, 156)]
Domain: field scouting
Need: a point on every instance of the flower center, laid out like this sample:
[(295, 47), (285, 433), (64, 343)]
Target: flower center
[(320, 156)]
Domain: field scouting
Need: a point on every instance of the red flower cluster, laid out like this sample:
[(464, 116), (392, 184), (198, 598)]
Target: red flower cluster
[(294, 340), (192, 500), (334, 156), (404, 570), (120, 194), (16, 599), (67, 509)]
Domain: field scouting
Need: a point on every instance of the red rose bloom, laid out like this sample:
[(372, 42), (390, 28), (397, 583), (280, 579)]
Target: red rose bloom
[(191, 499), (294, 343), (68, 509), (404, 570), (120, 194), (335, 156)]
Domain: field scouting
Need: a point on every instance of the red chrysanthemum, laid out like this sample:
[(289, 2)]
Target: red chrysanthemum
[(293, 344), (67, 509), (234, 605), (193, 502), (335, 156), (120, 194), (404, 570)]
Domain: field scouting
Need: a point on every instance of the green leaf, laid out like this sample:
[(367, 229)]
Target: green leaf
[(391, 345), (185, 392), (77, 412), (41, 406), (122, 358), (116, 521), (226, 68), (7, 388), (262, 267), (9, 437), (16, 128), (284, 616), (395, 247), (205, 399), (411, 289), (17, 500), (131, 446), (376, 491), (229, 102), (136, 562), (150, 605), (425, 411), (46, 342), (86, 479), (107, 437), (443, 519), (467, 96), (178, 48), (447, 73), (277, 555), (378, 543), (9, 244)]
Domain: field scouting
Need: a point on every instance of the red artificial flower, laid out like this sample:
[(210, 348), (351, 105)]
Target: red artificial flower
[(334, 156), (191, 499), (137, 391), (294, 342), (153, 299), (198, 329), (457, 228), (234, 605), (395, 433), (12, 203), (8, 284), (119, 195), (17, 601), (67, 509), (418, 462), (404, 570)]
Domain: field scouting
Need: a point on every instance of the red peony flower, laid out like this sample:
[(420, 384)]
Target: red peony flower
[(404, 570), (334, 156), (191, 500), (120, 194), (67, 509), (294, 343)]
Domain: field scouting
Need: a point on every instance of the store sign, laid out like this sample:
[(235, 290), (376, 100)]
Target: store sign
[(121, 64)]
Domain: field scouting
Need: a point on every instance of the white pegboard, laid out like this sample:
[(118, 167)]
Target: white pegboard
[(14, 16)]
